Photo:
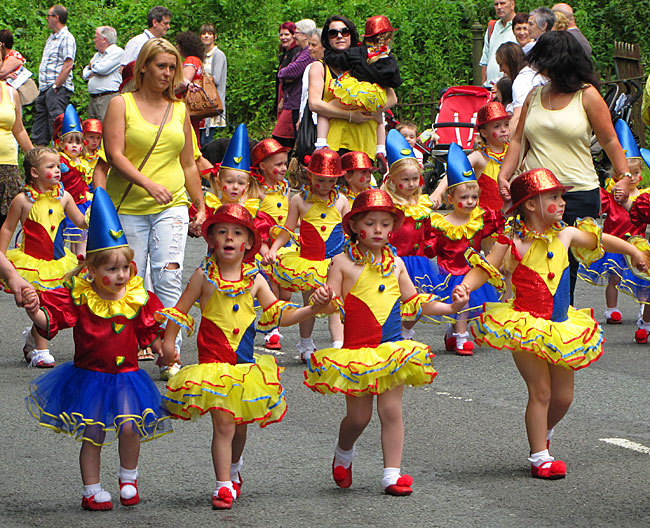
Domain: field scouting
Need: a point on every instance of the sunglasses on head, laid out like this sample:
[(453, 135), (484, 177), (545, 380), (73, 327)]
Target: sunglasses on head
[(333, 33)]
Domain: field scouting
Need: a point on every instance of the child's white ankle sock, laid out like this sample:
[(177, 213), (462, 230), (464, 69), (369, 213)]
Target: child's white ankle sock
[(461, 338), (550, 433), (337, 344), (537, 459), (306, 342), (227, 484), (343, 458), (96, 490), (128, 476), (391, 475), (235, 469), (407, 333)]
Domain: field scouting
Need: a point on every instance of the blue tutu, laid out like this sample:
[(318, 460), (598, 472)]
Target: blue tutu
[(600, 271), (98, 406), (634, 286), (424, 274), (71, 233)]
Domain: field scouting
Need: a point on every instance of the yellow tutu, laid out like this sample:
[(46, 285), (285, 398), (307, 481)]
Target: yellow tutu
[(351, 92), (362, 371), (43, 274), (250, 392), (295, 273), (574, 343)]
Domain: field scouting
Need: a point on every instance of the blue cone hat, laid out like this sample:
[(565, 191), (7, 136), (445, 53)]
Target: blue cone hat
[(645, 154), (459, 169), (105, 230), (626, 139), (397, 148), (71, 122), (238, 153)]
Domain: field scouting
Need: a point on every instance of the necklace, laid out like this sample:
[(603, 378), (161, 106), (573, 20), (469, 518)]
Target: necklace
[(550, 106)]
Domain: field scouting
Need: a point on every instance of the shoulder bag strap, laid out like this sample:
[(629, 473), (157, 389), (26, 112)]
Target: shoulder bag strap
[(146, 158)]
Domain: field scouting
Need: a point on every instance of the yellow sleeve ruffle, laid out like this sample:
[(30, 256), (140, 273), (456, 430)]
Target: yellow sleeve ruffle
[(272, 316), (275, 230), (476, 260), (412, 309), (642, 245), (587, 256), (176, 316)]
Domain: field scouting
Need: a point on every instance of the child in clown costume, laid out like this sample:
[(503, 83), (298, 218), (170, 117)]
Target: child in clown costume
[(41, 259), (612, 267), (357, 167), (549, 339), (319, 208), (370, 283), (101, 395), (234, 385), (93, 132)]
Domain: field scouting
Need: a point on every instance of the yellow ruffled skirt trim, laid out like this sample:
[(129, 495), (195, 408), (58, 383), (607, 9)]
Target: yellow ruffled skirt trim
[(574, 343), (249, 392), (294, 273), (351, 92), (363, 371), (43, 274)]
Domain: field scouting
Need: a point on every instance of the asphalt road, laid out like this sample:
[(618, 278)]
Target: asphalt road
[(465, 447)]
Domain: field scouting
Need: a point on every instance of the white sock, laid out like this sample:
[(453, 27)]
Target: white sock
[(235, 469), (391, 475), (337, 344), (306, 343), (343, 458), (643, 325), (320, 143), (537, 459), (609, 311), (461, 338), (407, 333), (97, 491), (226, 484), (274, 332), (550, 433), (128, 476)]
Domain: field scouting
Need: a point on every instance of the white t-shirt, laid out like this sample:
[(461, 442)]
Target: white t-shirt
[(525, 81)]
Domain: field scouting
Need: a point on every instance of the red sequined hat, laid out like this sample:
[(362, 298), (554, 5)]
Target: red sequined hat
[(56, 127), (493, 111), (351, 161), (377, 25), (92, 126), (325, 163), (264, 149), (234, 214), (373, 200), (531, 183)]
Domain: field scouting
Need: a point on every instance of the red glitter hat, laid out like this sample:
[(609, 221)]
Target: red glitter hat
[(264, 149), (351, 161), (234, 214), (325, 163), (492, 111), (92, 126), (377, 25), (531, 183), (56, 127), (373, 200)]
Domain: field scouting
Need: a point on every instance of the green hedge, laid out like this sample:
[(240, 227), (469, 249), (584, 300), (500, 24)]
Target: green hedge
[(433, 43)]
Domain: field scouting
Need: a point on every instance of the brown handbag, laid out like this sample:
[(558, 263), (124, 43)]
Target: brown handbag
[(205, 101)]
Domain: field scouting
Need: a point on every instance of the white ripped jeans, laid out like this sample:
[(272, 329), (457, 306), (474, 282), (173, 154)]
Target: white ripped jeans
[(159, 240)]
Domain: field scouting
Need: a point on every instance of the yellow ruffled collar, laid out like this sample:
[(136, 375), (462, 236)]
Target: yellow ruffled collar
[(128, 306), (230, 288), (81, 163), (495, 156), (212, 201), (281, 187), (521, 230), (459, 232), (34, 195), (310, 197), (418, 212), (385, 265)]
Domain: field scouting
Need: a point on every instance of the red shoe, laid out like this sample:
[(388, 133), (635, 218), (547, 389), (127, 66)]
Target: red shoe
[(133, 500), (342, 476), (273, 343), (88, 503), (466, 350), (641, 336), (238, 485), (615, 318), (450, 343), (401, 488), (222, 500), (552, 470)]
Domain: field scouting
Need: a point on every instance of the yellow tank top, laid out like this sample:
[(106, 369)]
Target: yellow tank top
[(351, 136), (559, 141), (8, 151), (163, 166)]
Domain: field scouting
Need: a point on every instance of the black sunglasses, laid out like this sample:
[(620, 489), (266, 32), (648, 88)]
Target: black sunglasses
[(333, 33)]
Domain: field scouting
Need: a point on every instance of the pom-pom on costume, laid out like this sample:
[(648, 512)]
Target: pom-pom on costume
[(102, 391)]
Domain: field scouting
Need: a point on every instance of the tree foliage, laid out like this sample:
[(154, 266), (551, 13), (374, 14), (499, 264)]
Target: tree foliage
[(433, 44)]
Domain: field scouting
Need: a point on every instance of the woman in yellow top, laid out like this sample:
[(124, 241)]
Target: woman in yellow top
[(11, 124), (152, 203)]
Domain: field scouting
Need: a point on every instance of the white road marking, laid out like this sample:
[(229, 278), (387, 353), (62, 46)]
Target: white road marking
[(627, 444), (450, 396)]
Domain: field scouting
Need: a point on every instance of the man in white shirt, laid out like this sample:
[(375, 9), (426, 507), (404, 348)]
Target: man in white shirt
[(158, 19), (497, 33), (103, 72)]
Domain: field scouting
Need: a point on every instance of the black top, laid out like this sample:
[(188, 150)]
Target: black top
[(384, 72)]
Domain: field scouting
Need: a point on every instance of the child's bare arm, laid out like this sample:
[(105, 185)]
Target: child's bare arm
[(283, 237), (32, 307), (13, 217), (476, 277), (73, 211)]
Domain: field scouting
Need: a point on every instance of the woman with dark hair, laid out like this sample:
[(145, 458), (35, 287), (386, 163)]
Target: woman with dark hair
[(12, 60), (520, 29), (287, 52), (192, 50), (350, 130), (556, 125)]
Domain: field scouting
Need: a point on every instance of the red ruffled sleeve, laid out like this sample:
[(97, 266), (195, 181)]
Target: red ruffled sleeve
[(60, 310), (264, 222), (147, 328), (432, 244), (493, 222), (640, 211)]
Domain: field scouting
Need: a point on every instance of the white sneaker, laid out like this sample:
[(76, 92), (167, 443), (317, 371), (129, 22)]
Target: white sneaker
[(29, 344), (166, 373), (41, 359)]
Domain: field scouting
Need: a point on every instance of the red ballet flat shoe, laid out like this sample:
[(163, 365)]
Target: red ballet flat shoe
[(551, 470), (450, 343), (466, 350), (88, 503), (222, 499), (342, 476), (641, 336), (238, 485), (133, 500), (615, 318), (273, 343), (401, 488)]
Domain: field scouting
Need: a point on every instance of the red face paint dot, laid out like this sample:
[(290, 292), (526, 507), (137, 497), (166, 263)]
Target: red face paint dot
[(363, 234), (495, 135), (106, 281), (49, 175), (317, 186), (552, 208), (276, 171), (362, 179), (225, 188), (400, 186), (242, 247), (460, 205)]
